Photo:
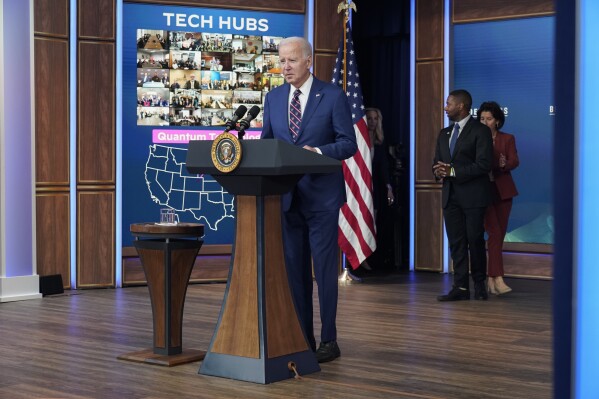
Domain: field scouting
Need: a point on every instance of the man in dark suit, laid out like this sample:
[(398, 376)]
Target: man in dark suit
[(316, 116), (463, 159), (192, 83)]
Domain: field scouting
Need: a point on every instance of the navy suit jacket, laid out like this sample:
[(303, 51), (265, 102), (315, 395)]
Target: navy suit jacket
[(326, 124)]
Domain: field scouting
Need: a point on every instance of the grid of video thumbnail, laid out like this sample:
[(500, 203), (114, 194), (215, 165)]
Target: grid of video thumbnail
[(199, 79)]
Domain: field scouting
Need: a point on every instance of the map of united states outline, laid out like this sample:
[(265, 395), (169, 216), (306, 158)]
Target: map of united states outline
[(170, 185)]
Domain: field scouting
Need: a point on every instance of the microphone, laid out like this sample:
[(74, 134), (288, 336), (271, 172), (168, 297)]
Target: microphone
[(245, 122), (239, 112)]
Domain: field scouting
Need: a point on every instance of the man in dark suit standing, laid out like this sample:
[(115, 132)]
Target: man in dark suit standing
[(463, 159), (316, 116), (192, 83)]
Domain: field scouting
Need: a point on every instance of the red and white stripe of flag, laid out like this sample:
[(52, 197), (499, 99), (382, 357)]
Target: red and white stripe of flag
[(357, 235)]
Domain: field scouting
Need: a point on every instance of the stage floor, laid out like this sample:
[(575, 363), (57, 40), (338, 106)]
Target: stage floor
[(396, 341)]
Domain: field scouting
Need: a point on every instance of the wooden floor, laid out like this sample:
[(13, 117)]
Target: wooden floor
[(396, 341)]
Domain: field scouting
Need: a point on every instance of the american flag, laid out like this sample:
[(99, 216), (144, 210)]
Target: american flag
[(357, 236)]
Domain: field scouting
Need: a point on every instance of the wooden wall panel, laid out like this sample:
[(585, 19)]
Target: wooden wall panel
[(429, 116), (95, 239), (475, 10), (51, 111), (53, 235), (323, 66), (211, 265), (51, 17), (327, 26), (96, 143), (429, 29), (97, 19), (96, 113), (291, 6), (206, 269), (52, 163), (528, 247), (532, 265), (428, 233)]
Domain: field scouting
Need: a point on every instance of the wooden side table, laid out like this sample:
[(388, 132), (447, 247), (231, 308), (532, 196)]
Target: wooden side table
[(167, 254)]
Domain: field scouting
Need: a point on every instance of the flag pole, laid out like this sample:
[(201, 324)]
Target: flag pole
[(345, 6), (345, 19)]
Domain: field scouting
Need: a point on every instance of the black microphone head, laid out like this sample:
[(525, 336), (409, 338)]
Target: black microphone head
[(238, 114), (245, 122), (254, 111)]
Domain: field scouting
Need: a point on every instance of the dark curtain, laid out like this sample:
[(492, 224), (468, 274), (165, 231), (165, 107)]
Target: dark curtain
[(381, 33)]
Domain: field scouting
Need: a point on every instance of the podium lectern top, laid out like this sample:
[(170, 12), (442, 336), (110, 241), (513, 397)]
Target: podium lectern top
[(267, 167), (263, 157)]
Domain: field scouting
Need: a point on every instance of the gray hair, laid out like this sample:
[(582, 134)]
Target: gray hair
[(303, 43)]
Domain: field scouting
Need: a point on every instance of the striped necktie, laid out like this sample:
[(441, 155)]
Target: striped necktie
[(295, 115)]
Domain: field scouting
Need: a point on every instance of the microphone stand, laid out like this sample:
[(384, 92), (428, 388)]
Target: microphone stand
[(347, 276), (240, 131)]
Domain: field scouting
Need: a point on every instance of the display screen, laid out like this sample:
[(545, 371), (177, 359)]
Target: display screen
[(185, 71), (511, 62), (198, 79)]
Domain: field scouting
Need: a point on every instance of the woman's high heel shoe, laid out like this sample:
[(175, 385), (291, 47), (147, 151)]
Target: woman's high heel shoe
[(491, 286), (500, 286)]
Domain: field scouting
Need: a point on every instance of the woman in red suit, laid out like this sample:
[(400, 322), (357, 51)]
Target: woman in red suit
[(505, 158)]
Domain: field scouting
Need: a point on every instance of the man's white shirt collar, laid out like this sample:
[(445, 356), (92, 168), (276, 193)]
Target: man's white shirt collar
[(305, 89), (463, 122)]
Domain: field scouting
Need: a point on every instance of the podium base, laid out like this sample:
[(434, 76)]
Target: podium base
[(148, 356), (261, 371)]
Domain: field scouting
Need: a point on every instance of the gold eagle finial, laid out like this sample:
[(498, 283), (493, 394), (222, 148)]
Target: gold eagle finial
[(345, 6)]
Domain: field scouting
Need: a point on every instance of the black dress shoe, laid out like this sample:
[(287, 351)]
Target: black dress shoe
[(327, 351), (456, 294), (480, 291)]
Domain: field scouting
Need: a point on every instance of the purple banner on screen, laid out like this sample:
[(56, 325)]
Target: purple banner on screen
[(175, 136)]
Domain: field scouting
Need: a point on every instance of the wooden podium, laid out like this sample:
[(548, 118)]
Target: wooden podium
[(167, 254), (258, 337)]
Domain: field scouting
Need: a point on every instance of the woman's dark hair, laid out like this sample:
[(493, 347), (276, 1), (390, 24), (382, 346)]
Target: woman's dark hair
[(494, 109)]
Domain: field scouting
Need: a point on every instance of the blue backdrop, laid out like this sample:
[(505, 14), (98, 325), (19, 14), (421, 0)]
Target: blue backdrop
[(511, 62), (153, 172)]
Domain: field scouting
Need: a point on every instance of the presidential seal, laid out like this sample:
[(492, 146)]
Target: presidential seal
[(226, 152)]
